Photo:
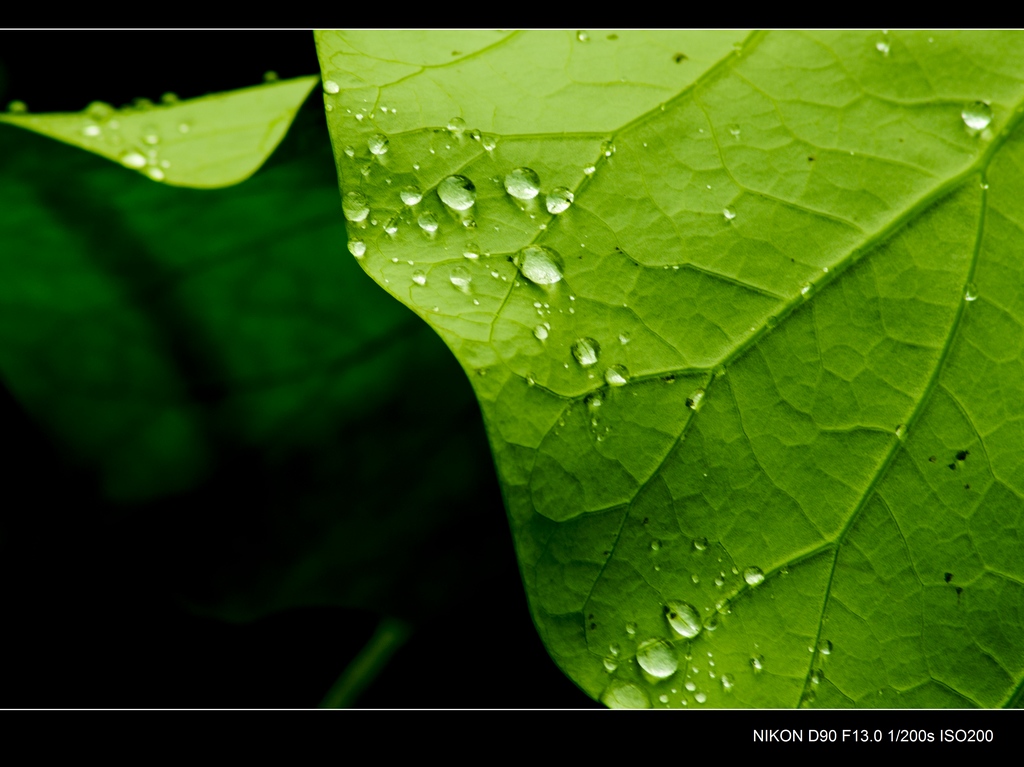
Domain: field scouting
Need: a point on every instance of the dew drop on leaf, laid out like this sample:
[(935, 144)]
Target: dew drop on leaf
[(657, 658), (977, 116), (461, 278), (488, 141), (428, 222), (582, 36), (753, 576), (586, 351), (610, 664), (694, 400), (625, 695), (541, 332), (825, 648), (357, 248), (378, 144), (355, 207), (700, 544), (616, 375), (471, 251), (522, 183), (457, 192), (684, 619), (456, 126), (331, 87), (757, 663), (133, 160), (631, 628), (729, 214), (971, 293), (539, 264), (558, 200), (419, 278), (411, 195), (700, 697), (882, 47), (728, 682)]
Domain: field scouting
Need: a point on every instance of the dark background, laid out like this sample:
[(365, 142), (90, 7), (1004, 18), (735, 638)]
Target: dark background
[(94, 604)]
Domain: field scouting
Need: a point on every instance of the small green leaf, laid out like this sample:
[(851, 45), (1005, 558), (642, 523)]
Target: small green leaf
[(207, 142), (754, 392)]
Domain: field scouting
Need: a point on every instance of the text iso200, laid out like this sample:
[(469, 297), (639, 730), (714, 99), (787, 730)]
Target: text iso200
[(965, 736)]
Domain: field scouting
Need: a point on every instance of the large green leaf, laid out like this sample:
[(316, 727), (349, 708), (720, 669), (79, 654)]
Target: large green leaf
[(779, 383)]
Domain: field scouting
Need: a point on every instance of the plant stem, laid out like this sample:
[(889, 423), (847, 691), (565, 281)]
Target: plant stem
[(391, 634)]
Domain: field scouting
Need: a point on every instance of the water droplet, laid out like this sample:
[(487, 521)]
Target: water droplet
[(701, 544), (616, 375), (757, 663), (522, 183), (331, 87), (694, 400), (91, 130), (589, 170), (690, 686), (558, 200), (971, 293), (977, 116), (411, 195), (428, 222), (753, 576), (663, 698), (684, 619), (378, 144), (586, 351), (655, 545), (357, 248), (729, 214), (133, 160), (825, 647), (728, 682), (419, 278), (882, 47), (657, 658), (625, 695), (17, 107), (700, 697), (901, 431), (582, 36), (541, 332), (488, 141), (610, 664), (391, 225), (614, 649), (155, 173), (461, 278), (607, 148), (350, 151), (631, 628), (355, 207), (816, 676), (734, 130), (457, 192), (539, 264), (99, 111)]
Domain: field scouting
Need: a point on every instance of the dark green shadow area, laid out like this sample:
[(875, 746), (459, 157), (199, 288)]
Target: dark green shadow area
[(214, 408)]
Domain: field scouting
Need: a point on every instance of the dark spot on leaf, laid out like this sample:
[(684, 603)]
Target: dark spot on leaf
[(689, 402), (590, 617), (959, 591), (613, 36), (948, 577), (593, 625), (646, 520), (931, 458), (962, 455), (456, 53), (810, 159), (967, 487), (952, 466), (606, 553), (679, 58), (669, 379), (665, 609)]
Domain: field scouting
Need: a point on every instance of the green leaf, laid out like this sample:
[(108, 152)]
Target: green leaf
[(791, 278), (225, 372), (208, 142)]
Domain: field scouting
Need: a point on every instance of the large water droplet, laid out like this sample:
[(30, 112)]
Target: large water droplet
[(757, 663), (522, 183), (355, 206), (92, 130), (539, 264), (701, 544), (357, 248), (694, 400), (378, 144), (971, 294), (684, 619), (411, 195), (977, 116), (558, 200), (586, 351), (825, 647), (610, 664), (488, 141), (428, 222), (133, 160), (625, 695), (700, 697), (331, 87), (456, 126), (657, 658), (419, 278), (461, 278), (729, 214), (582, 36), (753, 576), (541, 332), (616, 375), (457, 192)]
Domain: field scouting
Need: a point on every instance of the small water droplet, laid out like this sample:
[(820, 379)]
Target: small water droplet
[(816, 676), (625, 695), (133, 160), (663, 698), (610, 664), (539, 264), (355, 206), (457, 192), (700, 697), (882, 47), (357, 248), (825, 647), (694, 400), (522, 183), (977, 116), (589, 170), (729, 214), (614, 649), (684, 619), (582, 36), (901, 431), (631, 628), (488, 141), (608, 148), (971, 293), (728, 682), (378, 144), (456, 126), (91, 130), (419, 278), (616, 375), (391, 225), (461, 278), (700, 544), (735, 131), (690, 686), (657, 658), (558, 200), (428, 222), (541, 332), (753, 576), (155, 173), (586, 351), (411, 195), (757, 663), (331, 87), (655, 545)]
